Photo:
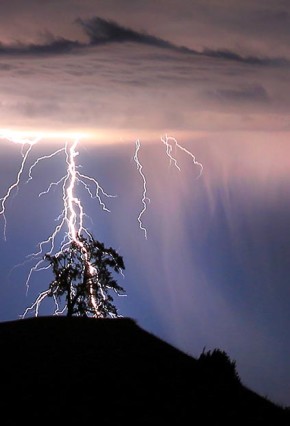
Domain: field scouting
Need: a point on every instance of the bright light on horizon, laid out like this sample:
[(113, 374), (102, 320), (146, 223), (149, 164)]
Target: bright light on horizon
[(91, 136)]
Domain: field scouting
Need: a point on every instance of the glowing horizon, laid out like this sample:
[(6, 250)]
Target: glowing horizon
[(93, 136)]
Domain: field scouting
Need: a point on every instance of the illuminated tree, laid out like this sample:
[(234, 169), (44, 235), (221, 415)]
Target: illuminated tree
[(84, 277)]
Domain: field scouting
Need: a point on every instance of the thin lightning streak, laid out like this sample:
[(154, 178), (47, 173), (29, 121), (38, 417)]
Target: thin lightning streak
[(98, 190), (169, 149), (51, 185), (36, 304), (168, 141), (45, 157), (145, 199), (15, 185)]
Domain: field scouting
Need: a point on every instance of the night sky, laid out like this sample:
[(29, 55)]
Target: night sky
[(214, 74)]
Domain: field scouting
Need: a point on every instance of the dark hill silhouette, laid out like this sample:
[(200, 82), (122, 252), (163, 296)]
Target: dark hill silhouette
[(59, 370)]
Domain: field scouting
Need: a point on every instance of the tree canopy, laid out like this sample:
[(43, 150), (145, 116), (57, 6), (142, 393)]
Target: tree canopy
[(84, 274)]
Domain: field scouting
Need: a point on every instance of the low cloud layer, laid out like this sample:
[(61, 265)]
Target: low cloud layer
[(111, 76)]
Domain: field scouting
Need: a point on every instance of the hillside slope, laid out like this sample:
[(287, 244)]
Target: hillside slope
[(76, 370)]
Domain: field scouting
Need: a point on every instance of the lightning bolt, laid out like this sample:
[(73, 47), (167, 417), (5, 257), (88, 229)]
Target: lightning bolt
[(71, 218), (145, 199)]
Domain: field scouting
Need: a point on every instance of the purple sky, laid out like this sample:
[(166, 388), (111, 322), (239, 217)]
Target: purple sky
[(214, 271)]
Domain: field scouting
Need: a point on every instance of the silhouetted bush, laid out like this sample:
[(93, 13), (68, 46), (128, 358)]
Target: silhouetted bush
[(218, 363)]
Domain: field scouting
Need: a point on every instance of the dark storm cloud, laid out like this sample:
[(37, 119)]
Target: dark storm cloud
[(56, 46), (101, 32), (251, 60)]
